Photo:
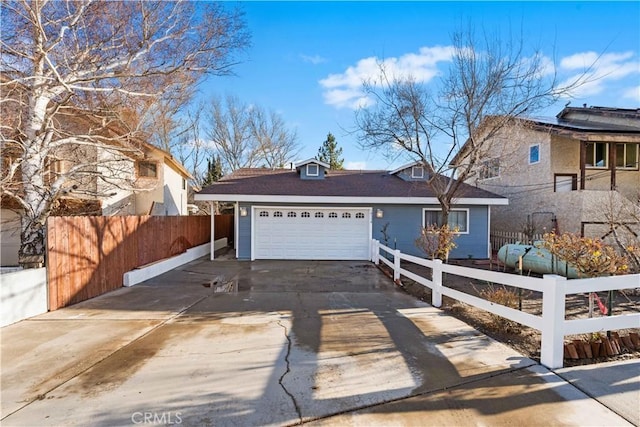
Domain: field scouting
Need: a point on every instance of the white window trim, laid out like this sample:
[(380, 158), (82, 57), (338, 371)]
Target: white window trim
[(414, 169), (317, 170), (424, 210), (624, 154), (606, 156), (529, 154)]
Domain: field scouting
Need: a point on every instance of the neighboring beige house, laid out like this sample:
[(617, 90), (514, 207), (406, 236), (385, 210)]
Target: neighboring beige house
[(158, 187), (577, 172)]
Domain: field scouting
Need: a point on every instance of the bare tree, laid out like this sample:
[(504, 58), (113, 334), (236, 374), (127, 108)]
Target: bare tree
[(230, 132), (276, 143), (77, 76), (489, 84), (247, 136)]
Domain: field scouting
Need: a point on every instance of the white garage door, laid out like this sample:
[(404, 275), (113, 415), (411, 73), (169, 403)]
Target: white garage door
[(311, 233)]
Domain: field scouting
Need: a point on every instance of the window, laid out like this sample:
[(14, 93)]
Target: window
[(312, 170), (291, 214), (359, 215), (319, 215), (333, 215), (264, 213), (627, 156), (417, 172), (305, 215), (184, 184), (489, 169), (277, 214), (564, 183), (147, 170), (457, 218), (534, 154), (346, 215), (597, 155)]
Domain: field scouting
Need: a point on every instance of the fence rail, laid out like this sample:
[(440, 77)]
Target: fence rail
[(88, 256), (500, 238), (552, 323)]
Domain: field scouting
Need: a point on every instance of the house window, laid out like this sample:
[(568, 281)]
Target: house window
[(534, 154), (319, 215), (184, 184), (359, 215), (277, 214), (565, 183), (417, 172), (147, 169), (312, 170), (597, 155), (305, 215), (489, 169), (264, 213), (457, 218), (346, 215), (333, 215), (291, 214), (627, 156)]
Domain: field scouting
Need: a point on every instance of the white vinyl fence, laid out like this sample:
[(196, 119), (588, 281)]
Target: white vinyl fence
[(552, 323)]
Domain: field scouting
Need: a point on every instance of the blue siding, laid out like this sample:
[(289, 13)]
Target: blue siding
[(244, 233), (405, 222), (303, 173), (405, 175)]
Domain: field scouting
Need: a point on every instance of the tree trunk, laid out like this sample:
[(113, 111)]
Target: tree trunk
[(32, 247)]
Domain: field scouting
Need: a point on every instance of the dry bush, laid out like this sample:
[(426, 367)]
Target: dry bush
[(503, 296)]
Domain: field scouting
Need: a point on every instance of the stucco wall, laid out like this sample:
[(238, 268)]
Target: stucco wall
[(174, 195), (23, 294), (530, 187), (119, 201)]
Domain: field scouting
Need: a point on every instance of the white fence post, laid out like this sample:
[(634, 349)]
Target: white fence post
[(375, 252), (396, 264), (436, 292), (553, 313)]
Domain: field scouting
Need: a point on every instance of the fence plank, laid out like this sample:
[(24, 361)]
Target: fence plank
[(87, 256)]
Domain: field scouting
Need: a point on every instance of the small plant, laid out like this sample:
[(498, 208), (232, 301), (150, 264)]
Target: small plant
[(593, 337), (503, 296), (436, 241)]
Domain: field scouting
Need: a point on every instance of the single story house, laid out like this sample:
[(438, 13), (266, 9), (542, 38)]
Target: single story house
[(311, 212)]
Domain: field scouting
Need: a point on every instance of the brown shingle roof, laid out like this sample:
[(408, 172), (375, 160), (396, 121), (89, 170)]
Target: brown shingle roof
[(339, 183)]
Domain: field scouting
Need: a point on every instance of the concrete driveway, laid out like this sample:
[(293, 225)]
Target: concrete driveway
[(273, 343)]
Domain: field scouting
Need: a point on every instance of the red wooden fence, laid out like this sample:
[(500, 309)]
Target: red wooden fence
[(88, 255), (224, 227)]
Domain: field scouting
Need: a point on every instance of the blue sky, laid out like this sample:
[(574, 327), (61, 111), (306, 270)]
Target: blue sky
[(307, 59)]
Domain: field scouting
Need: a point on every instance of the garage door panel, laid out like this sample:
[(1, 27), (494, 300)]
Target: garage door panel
[(311, 233)]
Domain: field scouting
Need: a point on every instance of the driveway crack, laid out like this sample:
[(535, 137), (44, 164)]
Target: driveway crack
[(286, 359)]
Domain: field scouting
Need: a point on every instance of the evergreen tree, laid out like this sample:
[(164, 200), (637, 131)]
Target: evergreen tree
[(214, 171), (330, 153)]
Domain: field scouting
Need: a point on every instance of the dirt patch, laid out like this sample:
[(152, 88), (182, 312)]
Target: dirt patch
[(523, 339)]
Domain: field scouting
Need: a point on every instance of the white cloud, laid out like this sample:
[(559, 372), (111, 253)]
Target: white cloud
[(596, 71), (345, 89), (314, 59), (355, 165), (633, 93)]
